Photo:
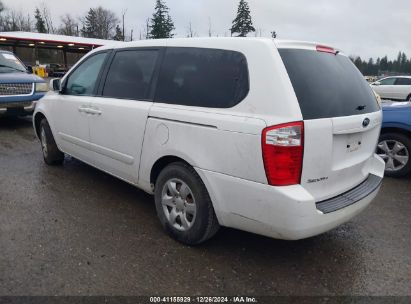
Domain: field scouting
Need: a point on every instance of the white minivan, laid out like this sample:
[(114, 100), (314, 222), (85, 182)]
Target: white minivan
[(271, 137)]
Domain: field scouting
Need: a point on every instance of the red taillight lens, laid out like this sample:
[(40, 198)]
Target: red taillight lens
[(283, 148), (326, 49)]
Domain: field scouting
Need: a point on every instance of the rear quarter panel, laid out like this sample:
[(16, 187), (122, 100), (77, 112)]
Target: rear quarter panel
[(222, 143)]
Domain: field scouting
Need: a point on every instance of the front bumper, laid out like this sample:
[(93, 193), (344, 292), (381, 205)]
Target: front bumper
[(280, 212), (23, 108), (14, 106)]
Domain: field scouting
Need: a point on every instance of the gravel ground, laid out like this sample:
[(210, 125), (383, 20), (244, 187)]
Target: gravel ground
[(73, 230)]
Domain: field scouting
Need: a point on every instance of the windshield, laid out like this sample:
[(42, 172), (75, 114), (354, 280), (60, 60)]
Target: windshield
[(327, 85), (10, 63)]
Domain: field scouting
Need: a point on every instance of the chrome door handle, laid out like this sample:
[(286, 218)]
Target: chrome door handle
[(94, 111), (83, 109), (88, 110)]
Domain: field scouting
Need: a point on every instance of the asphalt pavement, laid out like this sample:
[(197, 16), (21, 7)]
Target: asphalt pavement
[(73, 230)]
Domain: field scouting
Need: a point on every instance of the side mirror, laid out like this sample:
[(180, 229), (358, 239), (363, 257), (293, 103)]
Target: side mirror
[(377, 83), (30, 69), (55, 85)]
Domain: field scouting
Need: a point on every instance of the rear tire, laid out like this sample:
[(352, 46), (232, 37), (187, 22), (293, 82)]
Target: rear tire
[(184, 206), (51, 154), (395, 149)]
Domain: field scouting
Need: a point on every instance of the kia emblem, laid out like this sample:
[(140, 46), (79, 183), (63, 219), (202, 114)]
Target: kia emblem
[(366, 122)]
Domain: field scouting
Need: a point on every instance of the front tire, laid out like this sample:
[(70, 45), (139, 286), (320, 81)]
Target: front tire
[(51, 154), (395, 149), (183, 205)]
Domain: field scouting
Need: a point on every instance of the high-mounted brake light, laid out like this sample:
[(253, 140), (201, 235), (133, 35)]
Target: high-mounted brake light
[(283, 148), (326, 49)]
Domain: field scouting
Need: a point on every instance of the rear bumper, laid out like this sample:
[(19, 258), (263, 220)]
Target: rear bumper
[(280, 212)]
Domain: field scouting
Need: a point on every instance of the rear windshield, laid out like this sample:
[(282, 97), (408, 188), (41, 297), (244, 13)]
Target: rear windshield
[(327, 85)]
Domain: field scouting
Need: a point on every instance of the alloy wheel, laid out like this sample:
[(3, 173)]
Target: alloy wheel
[(394, 153), (43, 140)]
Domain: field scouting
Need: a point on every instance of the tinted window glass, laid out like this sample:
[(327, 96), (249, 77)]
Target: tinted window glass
[(387, 81), (130, 74), (203, 78), (83, 80), (403, 81), (327, 85), (10, 63)]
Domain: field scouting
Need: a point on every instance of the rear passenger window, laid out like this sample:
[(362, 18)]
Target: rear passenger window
[(130, 74), (403, 81), (203, 78), (388, 81)]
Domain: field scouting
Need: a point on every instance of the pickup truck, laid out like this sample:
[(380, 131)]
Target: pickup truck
[(19, 90)]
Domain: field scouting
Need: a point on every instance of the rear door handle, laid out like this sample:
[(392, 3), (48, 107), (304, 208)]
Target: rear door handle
[(88, 110), (94, 111), (83, 109)]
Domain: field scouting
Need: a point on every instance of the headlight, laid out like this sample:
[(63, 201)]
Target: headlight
[(42, 87)]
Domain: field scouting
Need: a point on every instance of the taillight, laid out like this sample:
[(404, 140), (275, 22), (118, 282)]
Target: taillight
[(283, 148), (326, 49)]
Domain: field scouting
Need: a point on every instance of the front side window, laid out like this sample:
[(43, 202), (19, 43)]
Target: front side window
[(387, 81), (84, 78), (203, 78), (403, 81), (130, 74)]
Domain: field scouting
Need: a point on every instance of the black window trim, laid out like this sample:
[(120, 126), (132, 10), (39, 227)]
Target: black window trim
[(98, 80), (155, 100), (154, 77)]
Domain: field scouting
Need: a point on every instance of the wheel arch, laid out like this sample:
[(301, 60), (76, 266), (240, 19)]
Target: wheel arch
[(396, 130), (163, 162), (38, 117)]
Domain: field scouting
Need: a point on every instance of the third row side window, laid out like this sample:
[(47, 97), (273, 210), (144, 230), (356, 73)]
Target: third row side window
[(130, 74), (202, 77)]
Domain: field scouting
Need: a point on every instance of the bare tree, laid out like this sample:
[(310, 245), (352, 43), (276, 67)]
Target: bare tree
[(190, 32), (146, 33), (210, 31), (68, 26), (99, 23), (24, 23), (47, 18)]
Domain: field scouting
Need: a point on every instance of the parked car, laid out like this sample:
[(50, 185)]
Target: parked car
[(19, 90), (394, 88), (276, 138), (55, 70), (395, 141)]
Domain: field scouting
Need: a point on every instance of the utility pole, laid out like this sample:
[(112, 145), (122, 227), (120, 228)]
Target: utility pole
[(131, 38), (124, 13)]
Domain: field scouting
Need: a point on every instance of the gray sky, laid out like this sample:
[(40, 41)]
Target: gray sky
[(359, 27)]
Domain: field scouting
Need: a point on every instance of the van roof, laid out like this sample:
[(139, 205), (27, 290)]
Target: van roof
[(215, 42)]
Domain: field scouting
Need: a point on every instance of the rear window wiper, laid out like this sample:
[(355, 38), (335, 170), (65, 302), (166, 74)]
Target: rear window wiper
[(360, 108)]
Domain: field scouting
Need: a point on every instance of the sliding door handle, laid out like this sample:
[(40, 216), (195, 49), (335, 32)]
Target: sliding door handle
[(94, 111)]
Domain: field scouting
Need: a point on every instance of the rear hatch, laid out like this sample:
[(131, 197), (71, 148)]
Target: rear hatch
[(342, 119)]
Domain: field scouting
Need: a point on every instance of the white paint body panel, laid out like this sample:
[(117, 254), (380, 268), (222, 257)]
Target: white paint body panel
[(224, 145)]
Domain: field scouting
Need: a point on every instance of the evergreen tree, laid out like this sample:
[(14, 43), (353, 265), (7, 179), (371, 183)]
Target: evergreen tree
[(242, 24), (161, 25), (90, 27), (119, 34), (40, 23)]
